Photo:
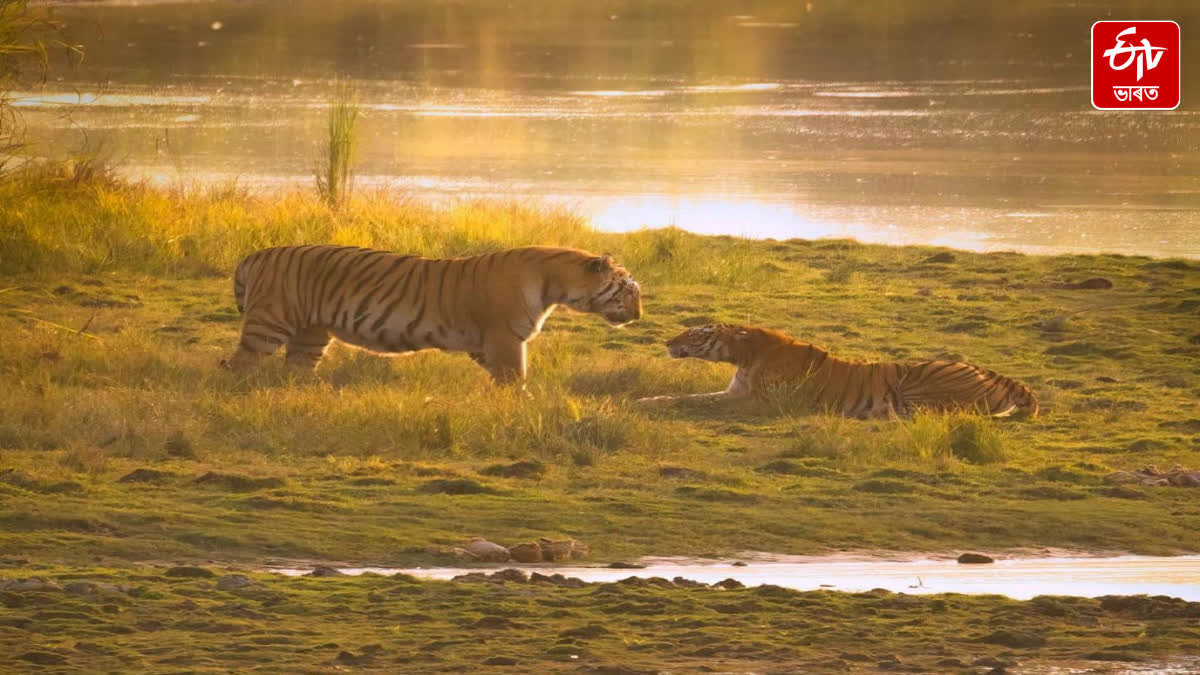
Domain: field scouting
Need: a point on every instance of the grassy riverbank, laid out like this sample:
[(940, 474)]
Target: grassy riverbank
[(163, 620), (115, 307)]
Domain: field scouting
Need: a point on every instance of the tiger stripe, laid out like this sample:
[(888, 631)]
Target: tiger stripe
[(767, 358), (490, 305)]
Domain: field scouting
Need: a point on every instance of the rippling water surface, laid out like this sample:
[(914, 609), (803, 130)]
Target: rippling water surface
[(930, 123)]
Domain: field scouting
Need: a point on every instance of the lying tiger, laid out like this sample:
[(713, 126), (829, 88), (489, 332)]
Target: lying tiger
[(768, 358), (487, 305)]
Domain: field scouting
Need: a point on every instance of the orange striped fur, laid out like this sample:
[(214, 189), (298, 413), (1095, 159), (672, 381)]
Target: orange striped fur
[(767, 357), (489, 306)]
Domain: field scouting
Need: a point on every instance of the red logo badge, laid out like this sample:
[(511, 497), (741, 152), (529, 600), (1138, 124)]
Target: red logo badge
[(1135, 65)]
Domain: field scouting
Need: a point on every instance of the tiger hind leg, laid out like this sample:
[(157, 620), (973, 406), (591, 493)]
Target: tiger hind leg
[(306, 348)]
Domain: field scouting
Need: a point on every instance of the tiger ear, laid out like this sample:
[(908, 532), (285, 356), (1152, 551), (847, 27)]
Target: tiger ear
[(598, 264)]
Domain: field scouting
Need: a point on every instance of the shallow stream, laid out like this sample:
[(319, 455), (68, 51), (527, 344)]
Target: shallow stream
[(1020, 578)]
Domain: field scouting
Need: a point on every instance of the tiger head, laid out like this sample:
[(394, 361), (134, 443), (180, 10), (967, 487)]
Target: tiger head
[(713, 342), (603, 287)]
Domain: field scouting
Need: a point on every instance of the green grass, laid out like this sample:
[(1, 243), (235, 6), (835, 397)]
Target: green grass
[(334, 174), (154, 619), (115, 307)]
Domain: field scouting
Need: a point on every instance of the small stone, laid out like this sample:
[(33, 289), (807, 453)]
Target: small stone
[(739, 563), (487, 551), (325, 571), (975, 559)]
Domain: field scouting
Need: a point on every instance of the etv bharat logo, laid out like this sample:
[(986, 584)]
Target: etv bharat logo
[(1135, 65)]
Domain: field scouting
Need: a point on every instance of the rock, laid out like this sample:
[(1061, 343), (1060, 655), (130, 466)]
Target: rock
[(232, 582), (557, 580), (325, 571), (739, 563), (975, 559), (500, 661), (688, 583), (510, 574), (618, 565), (189, 572), (1054, 325), (526, 552), (487, 551), (729, 584), (1185, 479), (565, 549)]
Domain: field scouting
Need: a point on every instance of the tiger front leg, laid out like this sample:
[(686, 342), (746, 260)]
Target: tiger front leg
[(713, 396), (505, 359), (306, 348), (261, 336)]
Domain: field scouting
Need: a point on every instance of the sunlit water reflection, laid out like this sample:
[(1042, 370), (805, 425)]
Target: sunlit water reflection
[(1020, 578), (763, 126)]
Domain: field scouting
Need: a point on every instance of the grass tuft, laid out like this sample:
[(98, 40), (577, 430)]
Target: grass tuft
[(334, 178)]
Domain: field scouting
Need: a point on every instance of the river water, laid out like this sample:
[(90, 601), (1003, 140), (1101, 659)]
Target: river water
[(1020, 578), (946, 122)]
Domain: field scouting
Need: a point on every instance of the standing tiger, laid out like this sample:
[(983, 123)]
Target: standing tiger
[(767, 357), (486, 305)]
